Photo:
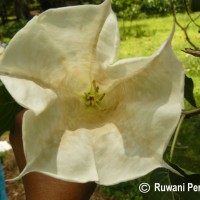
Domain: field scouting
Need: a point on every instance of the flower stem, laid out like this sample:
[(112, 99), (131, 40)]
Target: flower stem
[(190, 113), (176, 136), (185, 114)]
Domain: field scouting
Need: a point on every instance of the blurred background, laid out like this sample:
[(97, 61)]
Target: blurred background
[(24, 9)]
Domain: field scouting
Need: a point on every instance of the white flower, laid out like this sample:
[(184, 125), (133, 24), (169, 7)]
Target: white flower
[(89, 119), (4, 146)]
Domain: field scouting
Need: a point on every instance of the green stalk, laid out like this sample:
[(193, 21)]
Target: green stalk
[(185, 114), (176, 136), (190, 113)]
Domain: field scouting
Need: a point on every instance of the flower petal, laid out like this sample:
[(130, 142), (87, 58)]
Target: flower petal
[(28, 94), (128, 67), (151, 100), (56, 46), (82, 155), (52, 150), (108, 43), (113, 165)]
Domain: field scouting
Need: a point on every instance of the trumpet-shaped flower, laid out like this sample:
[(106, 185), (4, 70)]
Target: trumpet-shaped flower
[(88, 118)]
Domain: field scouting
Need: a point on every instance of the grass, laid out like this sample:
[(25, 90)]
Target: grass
[(142, 38)]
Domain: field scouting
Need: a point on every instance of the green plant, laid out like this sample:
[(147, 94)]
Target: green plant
[(8, 30)]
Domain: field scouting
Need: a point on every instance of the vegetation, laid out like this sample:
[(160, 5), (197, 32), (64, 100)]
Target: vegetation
[(126, 9)]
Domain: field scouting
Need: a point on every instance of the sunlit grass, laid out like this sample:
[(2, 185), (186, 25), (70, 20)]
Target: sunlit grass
[(144, 36)]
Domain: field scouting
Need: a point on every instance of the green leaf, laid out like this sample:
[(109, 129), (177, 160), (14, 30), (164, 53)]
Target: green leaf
[(179, 187), (188, 175), (8, 110), (188, 91), (181, 170), (159, 176)]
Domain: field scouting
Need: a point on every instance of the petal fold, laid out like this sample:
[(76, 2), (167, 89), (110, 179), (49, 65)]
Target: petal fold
[(52, 150), (108, 43)]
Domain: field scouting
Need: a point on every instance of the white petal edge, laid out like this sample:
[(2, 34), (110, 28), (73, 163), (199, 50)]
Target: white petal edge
[(28, 94), (130, 66), (108, 43)]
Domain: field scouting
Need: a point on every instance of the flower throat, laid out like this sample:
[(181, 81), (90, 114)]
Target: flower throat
[(93, 97)]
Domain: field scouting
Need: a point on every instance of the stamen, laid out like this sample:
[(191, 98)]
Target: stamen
[(93, 98)]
